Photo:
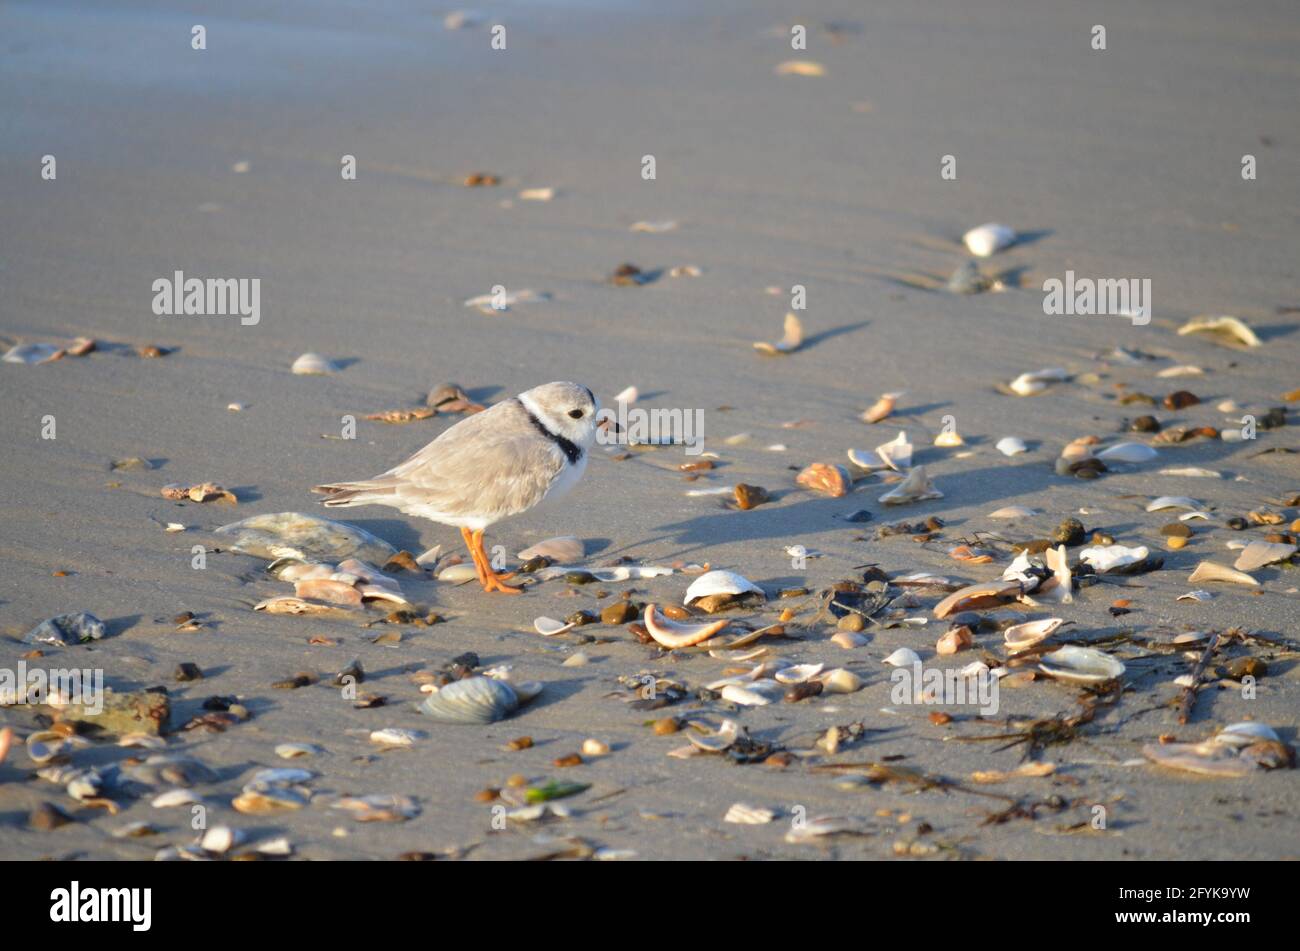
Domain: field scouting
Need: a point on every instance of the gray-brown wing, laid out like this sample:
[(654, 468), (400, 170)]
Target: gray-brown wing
[(492, 463)]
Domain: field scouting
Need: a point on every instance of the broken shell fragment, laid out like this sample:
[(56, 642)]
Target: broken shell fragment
[(549, 626), (748, 815), (988, 239), (840, 680), (672, 635), (1206, 759), (897, 453), (564, 550), (986, 594), (1209, 571), (715, 741), (477, 700), (1034, 382), (1107, 558), (1224, 329), (1013, 511), (1080, 665), (917, 487), (789, 343), (1173, 502), (881, 408), (67, 629), (827, 479), (1257, 554), (305, 538), (313, 364), (757, 694), (1241, 735)]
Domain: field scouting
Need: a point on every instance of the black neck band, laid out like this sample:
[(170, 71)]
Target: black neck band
[(568, 447)]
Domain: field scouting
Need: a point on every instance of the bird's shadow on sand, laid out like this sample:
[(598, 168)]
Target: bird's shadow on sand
[(809, 516)]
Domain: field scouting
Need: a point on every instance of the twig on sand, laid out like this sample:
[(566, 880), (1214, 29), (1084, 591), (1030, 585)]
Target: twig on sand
[(1188, 699)]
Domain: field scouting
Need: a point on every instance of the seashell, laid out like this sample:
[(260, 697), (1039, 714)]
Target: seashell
[(672, 635), (715, 741), (798, 673), (458, 574), (67, 629), (6, 740), (396, 736), (1209, 571), (288, 605), (1080, 665), (1241, 735), (1105, 558), (171, 770), (1173, 502), (1059, 565), (1127, 452), (949, 439), (881, 408), (325, 589), (628, 395), (45, 746), (475, 700), (499, 304), (988, 239), (1013, 511), (1020, 636), (379, 807), (1260, 553), (307, 538), (800, 67), (1197, 595), (1194, 472), (967, 279), (313, 364), (758, 694), (1033, 383), (817, 828), (32, 353), (549, 626), (721, 582), (827, 479), (749, 496), (789, 343), (862, 460), (848, 639), (279, 846), (564, 550), (536, 194), (903, 657), (1011, 446), (897, 453), (297, 750), (743, 814), (953, 640), (1207, 759), (974, 597), (1169, 373), (380, 592), (593, 747), (1224, 329), (917, 487), (840, 680), (175, 797), (220, 839)]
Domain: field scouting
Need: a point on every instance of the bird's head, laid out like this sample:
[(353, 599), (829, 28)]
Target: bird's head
[(566, 409)]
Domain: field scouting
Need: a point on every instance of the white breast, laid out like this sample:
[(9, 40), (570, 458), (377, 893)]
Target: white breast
[(568, 477)]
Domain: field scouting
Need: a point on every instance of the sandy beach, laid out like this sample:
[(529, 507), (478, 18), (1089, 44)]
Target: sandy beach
[(1119, 163)]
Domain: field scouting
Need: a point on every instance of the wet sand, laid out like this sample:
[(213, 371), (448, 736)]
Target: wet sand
[(1115, 163)]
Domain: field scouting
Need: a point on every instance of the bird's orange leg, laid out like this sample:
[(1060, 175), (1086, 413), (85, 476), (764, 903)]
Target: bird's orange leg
[(470, 544), (491, 580)]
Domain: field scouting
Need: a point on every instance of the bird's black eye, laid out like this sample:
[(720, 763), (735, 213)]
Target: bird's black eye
[(575, 414)]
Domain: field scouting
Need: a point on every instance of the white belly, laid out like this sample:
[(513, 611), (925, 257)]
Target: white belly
[(569, 476)]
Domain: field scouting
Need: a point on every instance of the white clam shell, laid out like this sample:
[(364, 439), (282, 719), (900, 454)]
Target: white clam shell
[(716, 741), (1245, 733), (917, 487), (988, 239), (1011, 446), (840, 680), (757, 694), (799, 673), (674, 635), (458, 574), (1013, 511), (549, 626), (1127, 452), (1080, 665), (1257, 554), (903, 657), (897, 453), (1020, 636), (1206, 759), (313, 364), (720, 582), (1222, 327), (745, 814), (472, 700), (1173, 502), (396, 736), (1106, 558), (1209, 571)]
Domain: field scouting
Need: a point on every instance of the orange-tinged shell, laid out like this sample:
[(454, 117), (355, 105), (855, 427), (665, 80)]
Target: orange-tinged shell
[(673, 635), (828, 479)]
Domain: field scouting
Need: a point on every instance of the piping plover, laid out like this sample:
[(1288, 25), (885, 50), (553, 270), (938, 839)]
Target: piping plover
[(489, 466)]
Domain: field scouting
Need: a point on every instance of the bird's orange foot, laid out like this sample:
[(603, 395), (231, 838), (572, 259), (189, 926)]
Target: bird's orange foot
[(496, 582), (491, 580)]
